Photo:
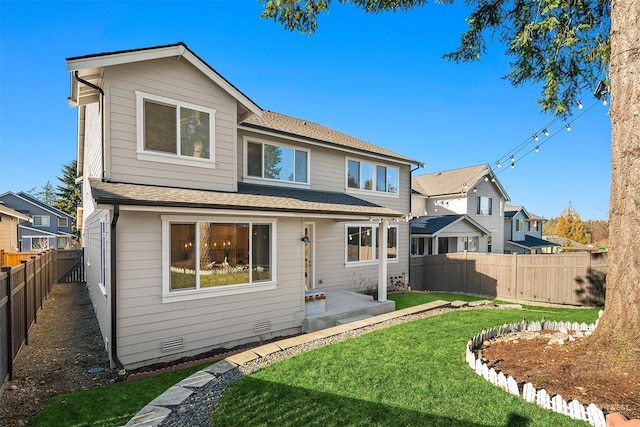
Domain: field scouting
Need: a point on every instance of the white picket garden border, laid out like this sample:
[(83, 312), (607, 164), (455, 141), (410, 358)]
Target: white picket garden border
[(574, 409)]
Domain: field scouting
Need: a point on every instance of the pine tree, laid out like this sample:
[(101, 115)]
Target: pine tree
[(68, 196), (570, 226)]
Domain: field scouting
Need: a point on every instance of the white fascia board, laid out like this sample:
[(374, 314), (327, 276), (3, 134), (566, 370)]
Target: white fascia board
[(108, 60)]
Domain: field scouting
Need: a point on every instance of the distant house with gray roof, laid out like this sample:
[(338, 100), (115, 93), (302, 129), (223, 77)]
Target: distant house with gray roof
[(207, 220), (457, 210), (523, 232)]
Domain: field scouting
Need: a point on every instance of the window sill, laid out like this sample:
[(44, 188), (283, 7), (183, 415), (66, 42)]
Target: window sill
[(275, 182), (196, 294), (175, 160), (364, 263)]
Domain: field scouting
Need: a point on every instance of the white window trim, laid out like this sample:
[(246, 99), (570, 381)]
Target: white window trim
[(42, 217), (152, 156), (374, 232), (426, 248), (169, 296), (373, 191), (278, 182)]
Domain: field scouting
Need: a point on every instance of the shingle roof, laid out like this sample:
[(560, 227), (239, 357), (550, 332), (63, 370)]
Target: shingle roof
[(291, 126), (532, 242), (432, 224), (248, 197), (11, 212), (449, 182)]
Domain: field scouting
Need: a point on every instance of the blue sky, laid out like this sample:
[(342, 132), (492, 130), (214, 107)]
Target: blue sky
[(380, 78)]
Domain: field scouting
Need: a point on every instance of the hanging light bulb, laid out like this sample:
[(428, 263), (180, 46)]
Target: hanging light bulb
[(498, 164), (546, 132), (579, 104), (513, 165), (486, 178), (475, 189), (568, 126), (604, 100), (535, 136), (537, 148), (512, 158)]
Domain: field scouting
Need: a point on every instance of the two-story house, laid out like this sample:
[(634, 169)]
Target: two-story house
[(457, 210), (45, 228), (523, 232), (9, 234), (206, 219)]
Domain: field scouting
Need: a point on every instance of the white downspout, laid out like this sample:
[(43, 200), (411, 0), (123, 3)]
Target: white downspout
[(382, 259)]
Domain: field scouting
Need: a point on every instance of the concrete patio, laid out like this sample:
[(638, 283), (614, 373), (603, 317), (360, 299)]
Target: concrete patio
[(342, 307)]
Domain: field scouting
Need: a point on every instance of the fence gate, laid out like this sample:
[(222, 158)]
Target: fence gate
[(70, 266)]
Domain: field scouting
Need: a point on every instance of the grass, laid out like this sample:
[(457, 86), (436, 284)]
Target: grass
[(111, 405), (409, 374)]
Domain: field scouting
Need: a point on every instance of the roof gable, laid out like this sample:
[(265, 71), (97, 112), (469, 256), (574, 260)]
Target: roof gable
[(455, 181), (87, 71), (434, 224)]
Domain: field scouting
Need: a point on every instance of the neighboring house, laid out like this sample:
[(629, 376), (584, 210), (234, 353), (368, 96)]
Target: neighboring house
[(48, 228), (523, 232), (207, 218), (9, 234), (458, 210)]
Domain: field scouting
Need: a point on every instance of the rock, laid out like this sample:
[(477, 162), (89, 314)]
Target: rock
[(182, 410), (559, 338), (13, 387), (563, 330)]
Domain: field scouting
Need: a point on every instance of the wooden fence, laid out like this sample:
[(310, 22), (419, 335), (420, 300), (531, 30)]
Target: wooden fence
[(23, 289), (567, 278)]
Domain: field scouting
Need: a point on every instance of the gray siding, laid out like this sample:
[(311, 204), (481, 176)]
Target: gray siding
[(172, 78), (144, 321)]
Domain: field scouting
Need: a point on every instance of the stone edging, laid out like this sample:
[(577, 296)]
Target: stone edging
[(574, 409)]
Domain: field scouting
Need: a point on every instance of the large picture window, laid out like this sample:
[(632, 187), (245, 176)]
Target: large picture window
[(370, 177), (176, 129), (205, 255), (275, 162), (363, 245)]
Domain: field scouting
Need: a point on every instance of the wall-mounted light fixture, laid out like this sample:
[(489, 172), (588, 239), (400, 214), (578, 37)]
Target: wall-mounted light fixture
[(305, 239)]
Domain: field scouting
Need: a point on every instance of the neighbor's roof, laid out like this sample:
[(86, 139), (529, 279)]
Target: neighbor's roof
[(455, 181), (248, 197), (511, 211), (431, 224), (314, 132), (531, 242)]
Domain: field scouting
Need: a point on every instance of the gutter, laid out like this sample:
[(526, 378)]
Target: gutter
[(99, 89), (114, 334)]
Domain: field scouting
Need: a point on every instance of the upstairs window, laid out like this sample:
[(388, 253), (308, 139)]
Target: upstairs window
[(533, 226), (370, 177), (484, 205), (278, 163), (63, 222), (519, 225), (41, 220), (173, 130)]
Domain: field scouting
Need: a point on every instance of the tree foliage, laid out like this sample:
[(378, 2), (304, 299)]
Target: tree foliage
[(68, 195), (562, 45), (45, 194), (570, 226)]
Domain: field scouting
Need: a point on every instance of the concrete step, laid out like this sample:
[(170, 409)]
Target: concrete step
[(352, 319)]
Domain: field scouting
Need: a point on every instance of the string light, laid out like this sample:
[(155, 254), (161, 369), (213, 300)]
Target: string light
[(545, 131), (513, 165), (568, 126), (537, 148), (604, 100), (512, 158), (498, 163), (579, 104), (535, 136)]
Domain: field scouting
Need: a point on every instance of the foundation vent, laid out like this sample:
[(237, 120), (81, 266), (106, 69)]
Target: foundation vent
[(260, 327), (172, 344)]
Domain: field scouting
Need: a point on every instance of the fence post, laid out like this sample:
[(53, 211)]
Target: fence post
[(514, 275), (7, 269), (27, 321)]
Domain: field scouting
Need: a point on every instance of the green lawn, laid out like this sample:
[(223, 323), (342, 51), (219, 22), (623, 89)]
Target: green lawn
[(409, 374)]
